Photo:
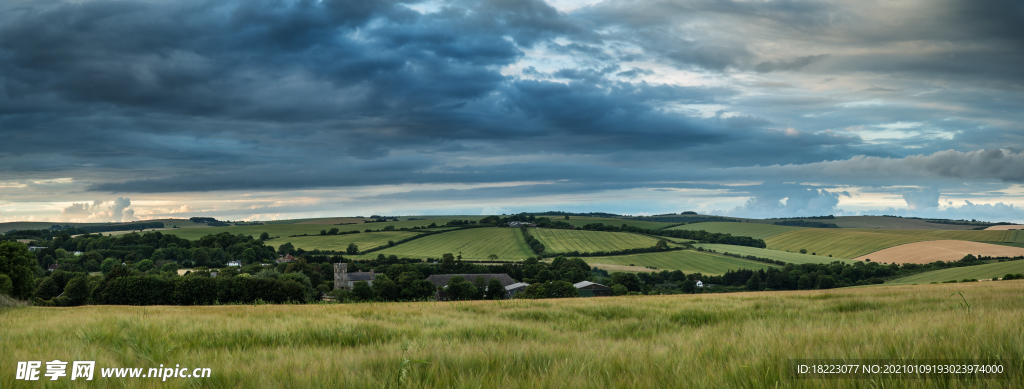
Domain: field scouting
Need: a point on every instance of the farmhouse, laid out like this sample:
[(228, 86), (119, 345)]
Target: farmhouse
[(235, 263), (591, 289), (52, 267), (440, 281), (345, 280), (286, 259), (518, 287)]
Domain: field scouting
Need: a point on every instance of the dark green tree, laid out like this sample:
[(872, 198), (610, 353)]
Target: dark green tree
[(754, 283), (362, 291), (352, 249), (629, 280), (77, 290), (494, 290), (264, 236), (333, 231), (18, 264), (384, 288)]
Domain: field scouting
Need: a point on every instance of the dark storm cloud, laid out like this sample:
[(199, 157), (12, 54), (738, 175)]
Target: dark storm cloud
[(152, 97)]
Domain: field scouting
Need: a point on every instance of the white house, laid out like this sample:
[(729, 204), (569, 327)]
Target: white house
[(700, 284), (235, 263)]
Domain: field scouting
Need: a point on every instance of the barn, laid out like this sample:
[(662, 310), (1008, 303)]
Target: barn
[(592, 289)]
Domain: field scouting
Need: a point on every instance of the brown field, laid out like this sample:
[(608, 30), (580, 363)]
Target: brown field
[(939, 250), (1005, 227), (337, 220)]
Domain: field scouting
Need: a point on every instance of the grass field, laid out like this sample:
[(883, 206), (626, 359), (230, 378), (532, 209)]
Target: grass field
[(754, 230), (979, 272), (839, 242), (971, 235), (741, 340), (772, 254), (284, 230), (688, 261), (879, 222), (580, 221), (563, 241), (475, 243), (365, 240)]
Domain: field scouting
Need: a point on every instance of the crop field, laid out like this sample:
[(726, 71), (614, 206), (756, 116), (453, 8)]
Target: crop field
[(611, 342), (580, 221), (839, 242), (365, 240), (754, 230), (940, 250), (563, 241), (878, 222), (688, 261), (474, 243), (1004, 227), (979, 272), (784, 256)]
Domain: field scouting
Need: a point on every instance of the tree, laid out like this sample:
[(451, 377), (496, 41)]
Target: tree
[(77, 290), (805, 282), (619, 290), (661, 245), (170, 267), (6, 285), (826, 282), (566, 217), (352, 249), (362, 291), (264, 236), (494, 290), (492, 257), (323, 232), (689, 286), (286, 249), (629, 280), (385, 288), (333, 231), (481, 288), (803, 251), (144, 265), (460, 289), (754, 283), (248, 256), (561, 289), (18, 264)]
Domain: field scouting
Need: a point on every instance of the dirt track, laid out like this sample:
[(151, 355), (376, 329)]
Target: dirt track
[(939, 250)]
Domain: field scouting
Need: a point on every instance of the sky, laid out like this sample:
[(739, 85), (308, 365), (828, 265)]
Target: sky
[(266, 109)]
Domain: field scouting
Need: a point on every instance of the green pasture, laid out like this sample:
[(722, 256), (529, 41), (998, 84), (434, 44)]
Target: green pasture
[(564, 241), (754, 230), (474, 243), (979, 272), (783, 256), (839, 242), (365, 240), (688, 261), (285, 230), (580, 221)]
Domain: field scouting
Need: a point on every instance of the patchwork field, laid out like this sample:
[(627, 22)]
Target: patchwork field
[(629, 341), (284, 230), (365, 240), (688, 261), (475, 243), (940, 250), (564, 241), (784, 256), (979, 272), (580, 221), (754, 230), (971, 235), (838, 242)]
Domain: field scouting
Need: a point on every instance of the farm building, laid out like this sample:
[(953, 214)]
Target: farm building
[(53, 267), (591, 289), (235, 263), (511, 290), (440, 281), (345, 280), (286, 259)]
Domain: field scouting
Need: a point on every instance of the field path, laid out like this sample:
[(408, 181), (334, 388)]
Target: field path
[(939, 250)]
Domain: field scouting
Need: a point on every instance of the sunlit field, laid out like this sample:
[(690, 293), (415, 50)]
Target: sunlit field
[(705, 341)]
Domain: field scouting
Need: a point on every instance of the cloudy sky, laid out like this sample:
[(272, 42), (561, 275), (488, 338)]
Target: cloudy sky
[(264, 109)]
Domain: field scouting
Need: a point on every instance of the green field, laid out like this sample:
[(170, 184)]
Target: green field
[(754, 230), (474, 243), (838, 242), (365, 240), (980, 272), (580, 221), (877, 222), (740, 340), (284, 230), (688, 261), (783, 256), (564, 241)]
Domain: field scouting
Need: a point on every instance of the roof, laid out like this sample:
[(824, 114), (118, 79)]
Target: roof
[(361, 276), (52, 267), (589, 285), (517, 286), (440, 280)]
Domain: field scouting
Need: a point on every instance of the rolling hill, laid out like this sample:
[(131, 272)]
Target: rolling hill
[(564, 241), (754, 230), (979, 272), (474, 243), (688, 261), (783, 256)]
